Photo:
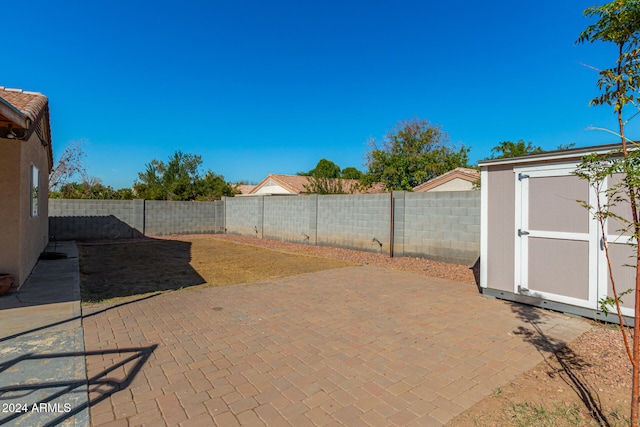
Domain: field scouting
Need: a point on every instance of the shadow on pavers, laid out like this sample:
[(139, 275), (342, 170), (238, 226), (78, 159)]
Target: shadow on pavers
[(570, 363), (52, 396), (100, 385), (42, 355)]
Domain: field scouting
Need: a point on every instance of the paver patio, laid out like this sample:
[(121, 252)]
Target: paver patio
[(357, 346)]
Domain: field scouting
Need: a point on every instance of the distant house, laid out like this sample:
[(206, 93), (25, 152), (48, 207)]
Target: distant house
[(458, 179), (26, 159), (244, 188), (278, 184)]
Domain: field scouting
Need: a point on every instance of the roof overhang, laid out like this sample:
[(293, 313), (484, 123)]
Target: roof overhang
[(573, 153), (13, 115)]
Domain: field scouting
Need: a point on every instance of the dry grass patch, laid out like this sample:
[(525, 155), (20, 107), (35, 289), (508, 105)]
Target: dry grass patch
[(111, 270)]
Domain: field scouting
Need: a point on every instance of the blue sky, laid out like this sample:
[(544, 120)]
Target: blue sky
[(260, 87)]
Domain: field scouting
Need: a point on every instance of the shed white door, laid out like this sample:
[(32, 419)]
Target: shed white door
[(556, 238)]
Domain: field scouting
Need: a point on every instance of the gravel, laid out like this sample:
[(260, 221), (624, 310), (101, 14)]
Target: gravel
[(455, 272)]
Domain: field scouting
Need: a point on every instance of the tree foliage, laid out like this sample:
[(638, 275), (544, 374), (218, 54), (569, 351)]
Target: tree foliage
[(351, 173), (91, 189), (618, 22), (412, 152), (514, 149), (324, 169), (180, 179), (328, 178)]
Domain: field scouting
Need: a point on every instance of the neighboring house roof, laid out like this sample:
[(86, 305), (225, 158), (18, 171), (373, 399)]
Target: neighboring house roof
[(281, 184), (465, 174), (244, 188), (295, 184), (26, 112)]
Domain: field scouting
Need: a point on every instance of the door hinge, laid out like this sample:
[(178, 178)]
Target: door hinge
[(522, 176), (522, 233)]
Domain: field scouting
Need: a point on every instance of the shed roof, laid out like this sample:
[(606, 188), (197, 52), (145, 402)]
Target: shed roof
[(572, 153)]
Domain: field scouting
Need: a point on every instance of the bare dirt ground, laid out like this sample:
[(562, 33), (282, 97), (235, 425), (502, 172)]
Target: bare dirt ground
[(586, 383)]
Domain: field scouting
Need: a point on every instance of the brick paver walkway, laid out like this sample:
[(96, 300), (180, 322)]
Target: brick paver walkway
[(359, 346)]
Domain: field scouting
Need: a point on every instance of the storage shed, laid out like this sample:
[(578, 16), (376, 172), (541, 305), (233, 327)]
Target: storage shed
[(539, 245)]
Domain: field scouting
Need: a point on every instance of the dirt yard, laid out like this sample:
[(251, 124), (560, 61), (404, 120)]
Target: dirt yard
[(584, 384)]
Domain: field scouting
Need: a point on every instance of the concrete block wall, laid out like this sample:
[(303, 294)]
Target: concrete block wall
[(122, 219), (165, 217), (353, 221), (95, 219), (443, 226), (288, 218), (244, 215)]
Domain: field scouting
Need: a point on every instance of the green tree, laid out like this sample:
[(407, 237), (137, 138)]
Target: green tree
[(180, 179), (514, 149), (412, 152), (90, 189), (351, 173), (213, 186), (327, 178), (618, 22), (324, 169)]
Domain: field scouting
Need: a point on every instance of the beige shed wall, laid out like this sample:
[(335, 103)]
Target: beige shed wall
[(24, 237), (500, 239)]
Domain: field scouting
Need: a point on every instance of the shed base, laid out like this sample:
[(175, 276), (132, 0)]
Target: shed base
[(556, 306)]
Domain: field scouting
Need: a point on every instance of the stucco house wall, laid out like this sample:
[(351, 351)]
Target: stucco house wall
[(24, 143)]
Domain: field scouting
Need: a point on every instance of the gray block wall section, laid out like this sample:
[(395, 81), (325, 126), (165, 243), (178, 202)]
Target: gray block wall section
[(95, 219), (354, 221), (123, 219), (243, 215), (443, 226), (165, 218), (288, 218)]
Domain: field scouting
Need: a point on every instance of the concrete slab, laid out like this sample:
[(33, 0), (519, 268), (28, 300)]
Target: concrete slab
[(42, 360)]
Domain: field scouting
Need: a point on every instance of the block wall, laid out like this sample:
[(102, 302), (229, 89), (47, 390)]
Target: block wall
[(354, 221), (243, 215), (288, 218), (164, 218), (71, 219), (443, 226)]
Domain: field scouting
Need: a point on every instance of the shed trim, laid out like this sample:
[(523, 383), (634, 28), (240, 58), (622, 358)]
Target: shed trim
[(551, 155), (484, 226)]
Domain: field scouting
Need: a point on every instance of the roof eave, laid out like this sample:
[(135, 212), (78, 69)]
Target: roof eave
[(551, 155), (14, 115)]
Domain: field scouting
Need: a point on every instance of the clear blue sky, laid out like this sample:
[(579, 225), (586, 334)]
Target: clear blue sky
[(260, 87)]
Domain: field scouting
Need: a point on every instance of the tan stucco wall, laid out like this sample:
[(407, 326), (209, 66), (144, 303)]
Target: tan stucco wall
[(501, 228), (9, 207), (24, 237)]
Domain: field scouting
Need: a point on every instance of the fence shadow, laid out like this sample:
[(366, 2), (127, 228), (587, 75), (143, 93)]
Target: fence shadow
[(569, 363), (91, 227), (122, 269), (100, 386)]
